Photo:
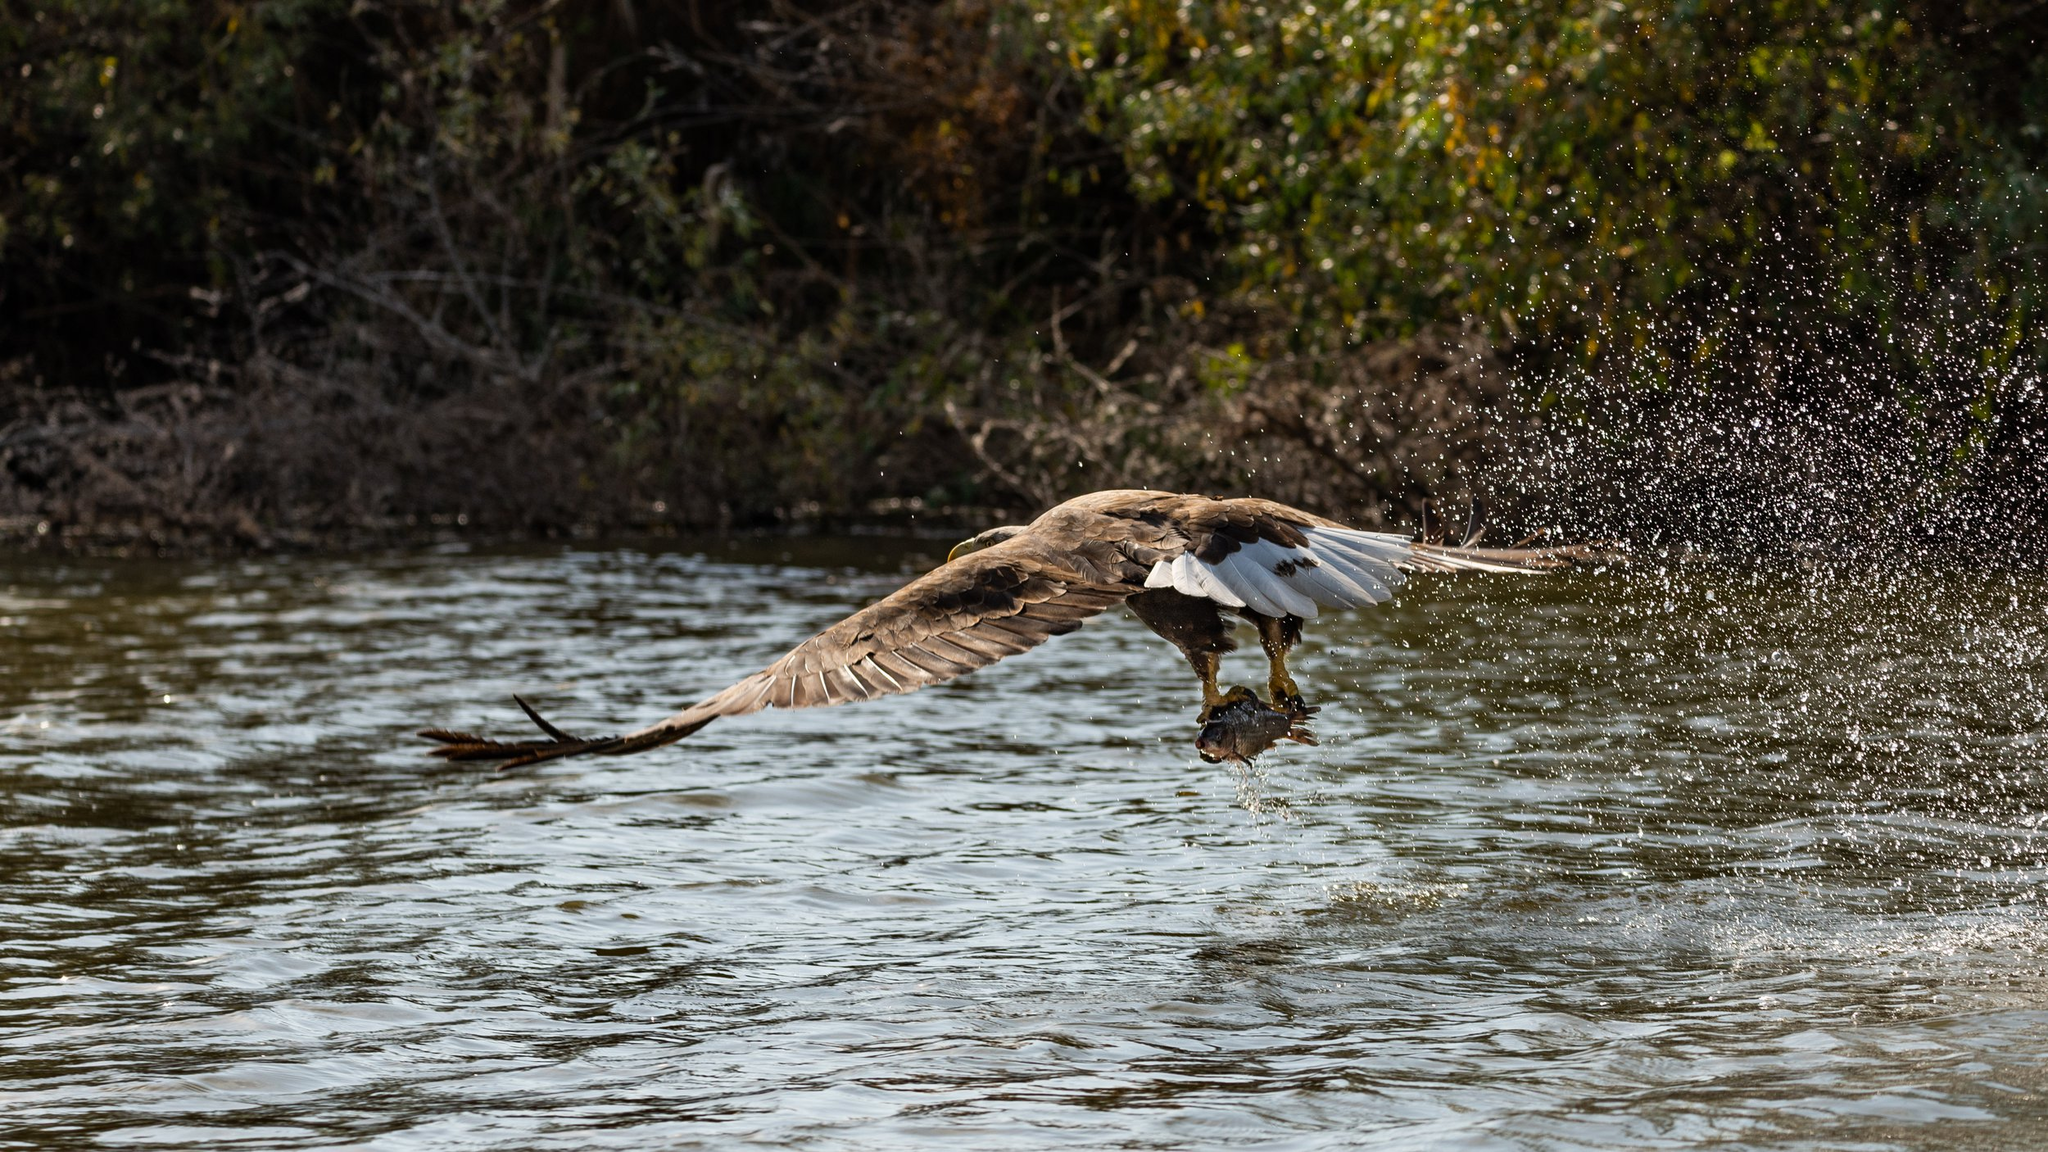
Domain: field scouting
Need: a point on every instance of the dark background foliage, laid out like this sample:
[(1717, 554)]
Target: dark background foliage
[(1734, 274)]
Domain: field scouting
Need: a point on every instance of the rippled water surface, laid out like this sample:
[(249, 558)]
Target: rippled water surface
[(1665, 858)]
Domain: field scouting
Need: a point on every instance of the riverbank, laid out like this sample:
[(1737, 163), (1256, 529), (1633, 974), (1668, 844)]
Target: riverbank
[(293, 276), (1398, 436)]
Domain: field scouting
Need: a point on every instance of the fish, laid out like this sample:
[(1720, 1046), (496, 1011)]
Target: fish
[(1241, 730)]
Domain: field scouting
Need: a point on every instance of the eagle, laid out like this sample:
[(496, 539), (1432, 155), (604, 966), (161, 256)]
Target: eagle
[(1187, 566)]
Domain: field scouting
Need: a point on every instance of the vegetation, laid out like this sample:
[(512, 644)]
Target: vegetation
[(277, 271)]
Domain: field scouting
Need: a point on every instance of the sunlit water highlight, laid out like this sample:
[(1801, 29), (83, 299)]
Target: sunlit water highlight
[(1653, 859)]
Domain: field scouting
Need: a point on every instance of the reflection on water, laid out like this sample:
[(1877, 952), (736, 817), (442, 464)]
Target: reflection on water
[(1655, 859)]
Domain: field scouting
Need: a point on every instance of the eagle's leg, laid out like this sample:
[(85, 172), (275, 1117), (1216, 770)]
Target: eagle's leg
[(1207, 666), (1278, 634), (1199, 629)]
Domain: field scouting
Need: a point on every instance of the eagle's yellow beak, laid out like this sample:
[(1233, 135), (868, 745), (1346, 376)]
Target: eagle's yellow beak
[(980, 540)]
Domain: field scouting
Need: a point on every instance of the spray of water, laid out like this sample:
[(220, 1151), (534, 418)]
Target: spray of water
[(1919, 436)]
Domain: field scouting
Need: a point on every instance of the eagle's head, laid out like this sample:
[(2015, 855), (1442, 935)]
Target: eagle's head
[(982, 540)]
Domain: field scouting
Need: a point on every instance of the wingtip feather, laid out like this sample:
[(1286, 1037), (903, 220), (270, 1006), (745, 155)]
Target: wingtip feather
[(467, 746)]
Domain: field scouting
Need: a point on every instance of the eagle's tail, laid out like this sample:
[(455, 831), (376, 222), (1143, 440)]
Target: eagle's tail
[(469, 746)]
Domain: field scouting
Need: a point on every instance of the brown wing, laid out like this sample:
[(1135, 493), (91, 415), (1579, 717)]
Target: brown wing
[(1152, 526), (965, 615)]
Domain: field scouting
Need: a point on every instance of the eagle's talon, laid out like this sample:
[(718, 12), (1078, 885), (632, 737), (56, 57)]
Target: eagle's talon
[(1297, 709), (1235, 696)]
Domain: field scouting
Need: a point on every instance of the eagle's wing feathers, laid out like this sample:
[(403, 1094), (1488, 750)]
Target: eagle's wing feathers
[(965, 615), (1294, 572), (1281, 561), (962, 616)]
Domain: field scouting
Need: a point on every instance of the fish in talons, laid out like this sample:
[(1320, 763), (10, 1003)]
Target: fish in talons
[(1238, 730)]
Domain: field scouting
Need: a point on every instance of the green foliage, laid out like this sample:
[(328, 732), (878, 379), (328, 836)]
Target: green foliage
[(1589, 167), (138, 136), (741, 259)]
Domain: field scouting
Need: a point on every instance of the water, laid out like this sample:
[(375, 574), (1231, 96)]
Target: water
[(1658, 859)]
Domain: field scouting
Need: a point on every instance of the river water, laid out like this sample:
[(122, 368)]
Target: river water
[(1678, 856)]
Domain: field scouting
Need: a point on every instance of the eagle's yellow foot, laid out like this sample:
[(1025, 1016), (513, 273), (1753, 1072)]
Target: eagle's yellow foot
[(1294, 706), (1236, 695), (1286, 697)]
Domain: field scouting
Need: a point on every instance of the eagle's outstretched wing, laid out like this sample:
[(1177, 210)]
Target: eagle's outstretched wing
[(1084, 556), (964, 615)]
